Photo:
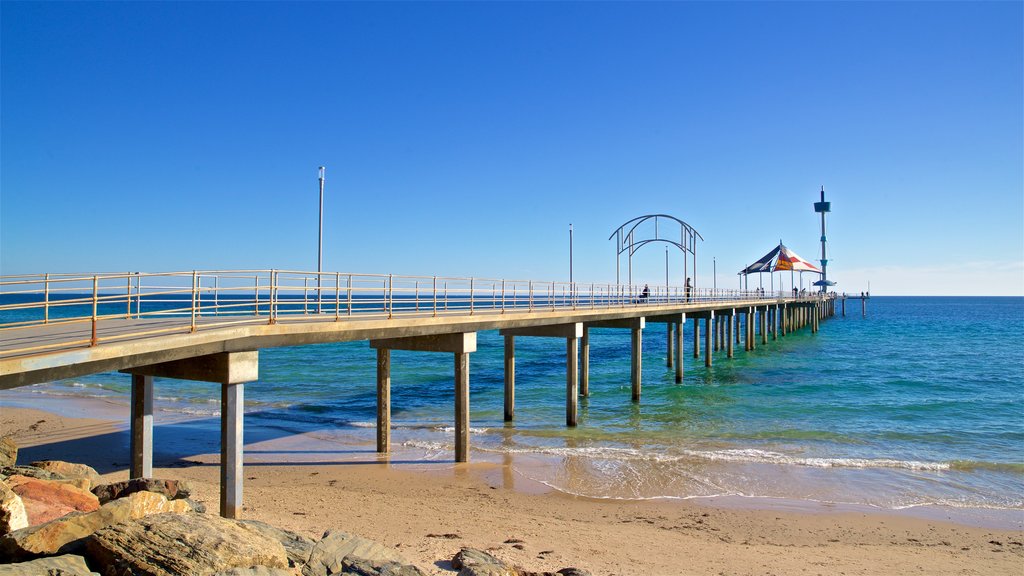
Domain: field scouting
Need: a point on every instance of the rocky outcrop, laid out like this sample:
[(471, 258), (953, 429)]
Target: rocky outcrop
[(170, 544), (343, 553), (172, 489), (67, 565), (66, 534), (46, 500), (473, 562), (256, 571), (70, 470), (12, 510), (30, 471), (8, 451), (297, 546)]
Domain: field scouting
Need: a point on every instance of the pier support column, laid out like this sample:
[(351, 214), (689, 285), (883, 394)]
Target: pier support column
[(141, 427), (736, 325), (728, 340), (635, 366), (696, 338), (708, 337), (750, 329), (775, 322), (764, 325), (231, 370), (572, 333), (462, 406), (844, 307), (232, 401), (668, 337), (585, 363), (510, 377), (571, 380), (461, 345), (383, 400), (679, 349)]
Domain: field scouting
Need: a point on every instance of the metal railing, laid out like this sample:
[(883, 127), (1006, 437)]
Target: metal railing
[(202, 300)]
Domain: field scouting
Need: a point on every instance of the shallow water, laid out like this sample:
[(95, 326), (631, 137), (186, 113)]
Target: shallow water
[(919, 403)]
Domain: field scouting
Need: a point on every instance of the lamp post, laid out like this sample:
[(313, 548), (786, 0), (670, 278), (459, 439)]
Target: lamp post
[(572, 287), (714, 273), (320, 247)]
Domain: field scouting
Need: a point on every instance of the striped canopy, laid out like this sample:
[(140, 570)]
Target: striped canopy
[(780, 258)]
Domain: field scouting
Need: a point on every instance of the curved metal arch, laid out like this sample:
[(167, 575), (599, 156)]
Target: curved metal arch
[(626, 242)]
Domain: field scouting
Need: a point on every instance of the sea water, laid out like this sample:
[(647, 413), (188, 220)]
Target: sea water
[(918, 402)]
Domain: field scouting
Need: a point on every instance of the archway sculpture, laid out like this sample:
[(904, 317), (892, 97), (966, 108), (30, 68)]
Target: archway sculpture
[(627, 240)]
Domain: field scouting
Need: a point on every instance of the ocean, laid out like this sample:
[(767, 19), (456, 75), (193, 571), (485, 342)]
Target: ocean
[(918, 403)]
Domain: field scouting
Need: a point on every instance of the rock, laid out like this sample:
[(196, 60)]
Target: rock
[(473, 562), (67, 565), (196, 506), (256, 571), (170, 544), (64, 535), (8, 451), (12, 510), (573, 572), (46, 500), (31, 472), (361, 567), (172, 489), (295, 545), (330, 554), (70, 470)]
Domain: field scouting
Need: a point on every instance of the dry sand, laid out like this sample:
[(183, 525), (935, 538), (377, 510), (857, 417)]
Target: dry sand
[(430, 511)]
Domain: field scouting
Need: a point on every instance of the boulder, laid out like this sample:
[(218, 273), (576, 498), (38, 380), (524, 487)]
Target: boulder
[(256, 571), (8, 451), (295, 545), (70, 470), (67, 565), (46, 500), (339, 551), (64, 535), (31, 472), (473, 562), (172, 489), (12, 510), (170, 544)]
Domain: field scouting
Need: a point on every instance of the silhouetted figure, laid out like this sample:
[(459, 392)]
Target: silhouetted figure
[(645, 293), (689, 289)]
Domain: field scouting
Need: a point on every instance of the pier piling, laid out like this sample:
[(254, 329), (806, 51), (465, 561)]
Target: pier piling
[(141, 427)]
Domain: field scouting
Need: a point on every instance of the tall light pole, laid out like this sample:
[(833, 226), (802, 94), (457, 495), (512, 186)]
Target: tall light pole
[(823, 208), (320, 246), (714, 272), (570, 256)]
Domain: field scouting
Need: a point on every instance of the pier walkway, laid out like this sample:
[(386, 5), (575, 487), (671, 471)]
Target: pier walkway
[(209, 326)]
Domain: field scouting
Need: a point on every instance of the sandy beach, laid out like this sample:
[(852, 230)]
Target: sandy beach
[(431, 509)]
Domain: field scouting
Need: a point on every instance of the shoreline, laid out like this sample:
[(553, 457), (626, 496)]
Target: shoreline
[(517, 473), (428, 509)]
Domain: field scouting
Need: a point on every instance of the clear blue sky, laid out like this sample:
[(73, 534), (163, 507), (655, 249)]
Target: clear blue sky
[(463, 138)]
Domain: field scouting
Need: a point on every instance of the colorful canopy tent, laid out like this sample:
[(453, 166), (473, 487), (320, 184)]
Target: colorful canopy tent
[(780, 258)]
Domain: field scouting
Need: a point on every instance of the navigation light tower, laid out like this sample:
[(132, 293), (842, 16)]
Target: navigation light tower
[(823, 207)]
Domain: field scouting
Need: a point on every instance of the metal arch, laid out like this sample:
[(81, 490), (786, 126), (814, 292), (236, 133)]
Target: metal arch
[(625, 242)]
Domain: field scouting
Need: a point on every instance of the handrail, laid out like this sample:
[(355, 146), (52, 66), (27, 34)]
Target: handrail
[(204, 299)]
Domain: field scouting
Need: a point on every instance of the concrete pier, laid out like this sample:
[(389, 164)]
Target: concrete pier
[(572, 333), (231, 371), (585, 362), (141, 447), (383, 400), (708, 335), (636, 326), (729, 337), (458, 344)]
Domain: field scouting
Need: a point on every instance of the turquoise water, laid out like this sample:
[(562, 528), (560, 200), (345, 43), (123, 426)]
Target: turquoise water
[(921, 402)]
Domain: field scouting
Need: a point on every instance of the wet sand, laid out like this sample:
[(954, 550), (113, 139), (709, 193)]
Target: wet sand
[(431, 509)]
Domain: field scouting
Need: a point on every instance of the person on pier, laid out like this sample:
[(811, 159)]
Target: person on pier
[(689, 289), (645, 294)]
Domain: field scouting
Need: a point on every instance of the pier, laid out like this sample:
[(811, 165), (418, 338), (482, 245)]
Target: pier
[(209, 326)]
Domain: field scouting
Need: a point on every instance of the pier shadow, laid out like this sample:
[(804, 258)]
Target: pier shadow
[(178, 444)]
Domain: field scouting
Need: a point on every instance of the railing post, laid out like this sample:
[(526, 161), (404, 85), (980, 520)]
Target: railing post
[(417, 297), (390, 302), (502, 296), (272, 305), (349, 294), (445, 295), (531, 296), (470, 296), (305, 294), (434, 292), (337, 296), (256, 293), (195, 293), (128, 312), (46, 298), (216, 295), (552, 296), (95, 306)]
